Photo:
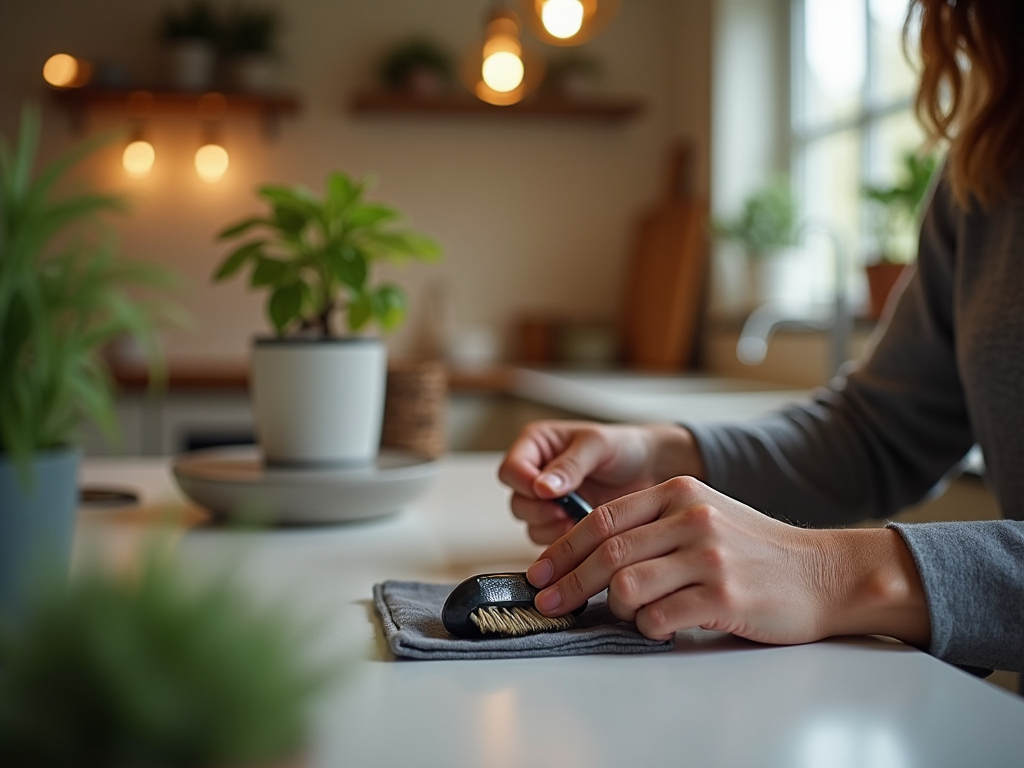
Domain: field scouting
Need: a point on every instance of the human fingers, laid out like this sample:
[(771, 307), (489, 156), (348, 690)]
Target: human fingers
[(587, 449), (524, 460), (534, 511), (548, 534), (567, 565), (692, 606)]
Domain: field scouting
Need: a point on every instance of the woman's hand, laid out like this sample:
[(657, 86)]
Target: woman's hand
[(682, 555), (603, 462)]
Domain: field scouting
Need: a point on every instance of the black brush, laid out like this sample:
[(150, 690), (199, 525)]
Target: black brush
[(501, 604)]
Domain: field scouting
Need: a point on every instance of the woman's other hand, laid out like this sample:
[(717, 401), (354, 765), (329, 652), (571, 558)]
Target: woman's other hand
[(603, 462)]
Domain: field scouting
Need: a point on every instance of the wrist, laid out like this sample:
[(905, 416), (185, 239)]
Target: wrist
[(674, 452), (875, 586)]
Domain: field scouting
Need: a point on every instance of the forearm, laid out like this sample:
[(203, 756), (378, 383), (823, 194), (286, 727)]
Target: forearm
[(871, 586)]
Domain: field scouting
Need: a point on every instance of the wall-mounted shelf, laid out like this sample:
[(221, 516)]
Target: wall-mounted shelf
[(141, 102), (383, 104)]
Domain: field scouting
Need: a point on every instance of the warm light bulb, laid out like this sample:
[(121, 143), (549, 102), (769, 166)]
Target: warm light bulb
[(503, 71), (61, 70), (138, 159), (211, 162), (562, 18)]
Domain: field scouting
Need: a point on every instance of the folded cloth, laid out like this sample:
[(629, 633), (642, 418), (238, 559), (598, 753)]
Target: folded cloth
[(411, 614)]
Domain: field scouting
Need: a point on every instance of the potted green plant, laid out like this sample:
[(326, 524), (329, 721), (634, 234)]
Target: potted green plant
[(318, 385), (63, 297), (895, 211), (572, 75), (250, 45), (154, 671), (190, 33), (765, 227), (418, 67)]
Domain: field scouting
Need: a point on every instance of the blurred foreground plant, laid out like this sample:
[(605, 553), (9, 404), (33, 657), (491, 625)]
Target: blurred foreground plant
[(153, 672)]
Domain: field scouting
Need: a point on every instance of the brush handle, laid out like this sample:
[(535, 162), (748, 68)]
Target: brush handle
[(574, 504)]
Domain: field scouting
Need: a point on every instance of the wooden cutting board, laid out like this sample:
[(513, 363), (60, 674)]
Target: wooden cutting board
[(666, 276)]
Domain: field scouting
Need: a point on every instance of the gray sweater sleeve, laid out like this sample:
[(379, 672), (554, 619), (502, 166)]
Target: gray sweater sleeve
[(880, 439)]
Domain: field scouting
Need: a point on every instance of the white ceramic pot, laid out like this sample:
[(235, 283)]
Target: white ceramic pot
[(319, 401), (253, 73), (190, 63)]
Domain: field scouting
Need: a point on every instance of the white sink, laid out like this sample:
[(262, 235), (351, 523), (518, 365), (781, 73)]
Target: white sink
[(651, 397)]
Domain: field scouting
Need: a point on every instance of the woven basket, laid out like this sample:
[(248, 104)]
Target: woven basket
[(415, 406)]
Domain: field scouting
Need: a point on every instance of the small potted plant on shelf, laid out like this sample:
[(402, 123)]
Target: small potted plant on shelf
[(418, 68), (766, 226), (63, 297), (895, 215), (190, 33), (154, 671), (249, 37), (572, 75), (318, 386)]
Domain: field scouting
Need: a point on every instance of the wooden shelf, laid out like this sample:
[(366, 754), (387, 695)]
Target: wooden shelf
[(495, 379), (142, 102), (377, 103)]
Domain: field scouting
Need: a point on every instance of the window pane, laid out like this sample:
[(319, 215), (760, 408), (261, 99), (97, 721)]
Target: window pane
[(893, 77), (835, 53), (831, 195), (892, 138)]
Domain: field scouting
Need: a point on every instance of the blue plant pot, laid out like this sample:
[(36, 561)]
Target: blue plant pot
[(37, 525)]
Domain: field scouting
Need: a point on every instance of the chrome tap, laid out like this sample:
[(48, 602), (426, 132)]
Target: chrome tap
[(834, 317)]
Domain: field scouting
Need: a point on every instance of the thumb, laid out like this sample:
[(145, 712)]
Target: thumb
[(567, 471)]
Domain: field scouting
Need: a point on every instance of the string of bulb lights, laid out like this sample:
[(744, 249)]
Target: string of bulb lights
[(211, 159), (502, 71)]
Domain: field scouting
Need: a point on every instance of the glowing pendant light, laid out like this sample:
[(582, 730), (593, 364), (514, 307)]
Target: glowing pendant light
[(501, 72), (138, 158), (62, 70), (568, 22)]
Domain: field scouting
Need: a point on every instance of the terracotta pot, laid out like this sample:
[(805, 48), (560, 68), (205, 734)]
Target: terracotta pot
[(882, 278)]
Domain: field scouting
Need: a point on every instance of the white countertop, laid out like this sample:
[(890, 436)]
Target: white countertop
[(713, 701)]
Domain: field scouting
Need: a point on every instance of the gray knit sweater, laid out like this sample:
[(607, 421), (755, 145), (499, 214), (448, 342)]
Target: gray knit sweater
[(946, 372)]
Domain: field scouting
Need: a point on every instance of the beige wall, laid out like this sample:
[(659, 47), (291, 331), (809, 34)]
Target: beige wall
[(532, 215)]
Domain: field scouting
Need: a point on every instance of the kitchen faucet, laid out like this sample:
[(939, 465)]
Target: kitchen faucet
[(834, 317)]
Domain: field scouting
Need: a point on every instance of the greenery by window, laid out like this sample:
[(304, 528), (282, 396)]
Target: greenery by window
[(852, 122)]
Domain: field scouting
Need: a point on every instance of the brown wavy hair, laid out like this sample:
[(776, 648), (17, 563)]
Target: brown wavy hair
[(972, 89)]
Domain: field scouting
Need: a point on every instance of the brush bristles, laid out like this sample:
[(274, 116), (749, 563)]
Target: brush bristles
[(514, 622)]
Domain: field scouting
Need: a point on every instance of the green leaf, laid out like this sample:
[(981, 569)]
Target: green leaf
[(396, 245), (285, 305), (348, 265), (233, 230), (389, 306), (341, 192), (360, 310), (371, 215), (289, 220), (234, 261), (268, 272)]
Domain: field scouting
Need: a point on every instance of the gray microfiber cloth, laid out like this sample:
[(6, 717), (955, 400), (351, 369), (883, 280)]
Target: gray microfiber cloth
[(411, 614)]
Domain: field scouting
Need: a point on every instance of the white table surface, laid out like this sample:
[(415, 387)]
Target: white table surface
[(712, 701)]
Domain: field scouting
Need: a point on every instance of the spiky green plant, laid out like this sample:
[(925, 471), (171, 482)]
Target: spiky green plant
[(314, 256), (154, 671), (63, 296)]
